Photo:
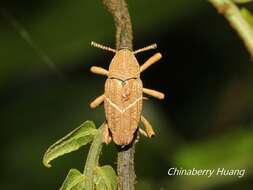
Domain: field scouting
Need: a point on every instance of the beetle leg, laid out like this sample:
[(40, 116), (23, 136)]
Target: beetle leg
[(106, 134), (149, 130), (150, 61), (145, 98), (99, 70), (95, 103), (152, 46), (143, 132), (154, 93), (97, 45)]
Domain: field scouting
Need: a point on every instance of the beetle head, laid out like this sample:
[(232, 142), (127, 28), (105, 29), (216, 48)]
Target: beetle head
[(124, 65)]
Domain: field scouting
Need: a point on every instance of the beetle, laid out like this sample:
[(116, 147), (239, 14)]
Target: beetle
[(123, 95)]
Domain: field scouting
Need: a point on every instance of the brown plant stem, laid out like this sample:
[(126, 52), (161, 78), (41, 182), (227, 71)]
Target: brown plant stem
[(124, 38), (119, 11)]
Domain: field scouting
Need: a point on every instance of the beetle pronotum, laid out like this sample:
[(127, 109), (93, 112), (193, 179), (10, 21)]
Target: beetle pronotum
[(124, 94)]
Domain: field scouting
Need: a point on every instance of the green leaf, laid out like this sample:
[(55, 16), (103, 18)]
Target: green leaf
[(247, 16), (242, 1), (71, 142), (105, 178), (74, 181)]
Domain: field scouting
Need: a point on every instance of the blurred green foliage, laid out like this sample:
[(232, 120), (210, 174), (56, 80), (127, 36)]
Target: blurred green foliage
[(205, 121)]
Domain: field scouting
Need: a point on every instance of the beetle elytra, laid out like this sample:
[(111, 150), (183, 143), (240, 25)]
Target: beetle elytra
[(123, 95)]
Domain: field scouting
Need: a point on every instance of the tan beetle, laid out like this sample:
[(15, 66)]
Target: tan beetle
[(124, 94)]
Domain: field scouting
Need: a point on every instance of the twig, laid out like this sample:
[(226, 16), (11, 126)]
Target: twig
[(119, 11), (233, 15), (125, 169), (124, 38)]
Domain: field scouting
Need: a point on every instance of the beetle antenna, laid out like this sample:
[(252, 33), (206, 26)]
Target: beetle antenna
[(153, 46), (97, 45)]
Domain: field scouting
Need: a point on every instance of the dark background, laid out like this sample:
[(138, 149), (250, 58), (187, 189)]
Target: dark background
[(206, 73)]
